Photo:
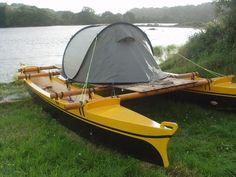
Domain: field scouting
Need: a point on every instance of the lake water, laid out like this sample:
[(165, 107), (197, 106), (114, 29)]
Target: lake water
[(45, 45)]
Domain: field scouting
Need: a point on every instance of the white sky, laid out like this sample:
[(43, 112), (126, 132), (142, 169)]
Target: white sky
[(115, 6)]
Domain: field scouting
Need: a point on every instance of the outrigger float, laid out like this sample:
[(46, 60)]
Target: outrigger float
[(117, 58), (218, 92)]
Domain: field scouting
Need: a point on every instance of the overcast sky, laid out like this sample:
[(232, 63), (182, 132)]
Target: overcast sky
[(115, 6)]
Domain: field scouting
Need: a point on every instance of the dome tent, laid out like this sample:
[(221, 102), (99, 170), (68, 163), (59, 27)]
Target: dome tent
[(115, 54)]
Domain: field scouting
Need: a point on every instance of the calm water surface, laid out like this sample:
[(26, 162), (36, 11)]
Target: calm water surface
[(45, 45)]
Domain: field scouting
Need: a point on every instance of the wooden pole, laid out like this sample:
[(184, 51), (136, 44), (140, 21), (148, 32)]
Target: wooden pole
[(134, 95), (185, 75), (77, 92), (28, 76), (73, 105), (35, 68)]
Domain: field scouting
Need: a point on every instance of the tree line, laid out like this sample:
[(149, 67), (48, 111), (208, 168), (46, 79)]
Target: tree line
[(16, 15), (23, 15), (202, 13)]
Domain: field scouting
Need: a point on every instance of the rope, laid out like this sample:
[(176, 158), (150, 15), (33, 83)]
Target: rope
[(205, 69), (84, 89)]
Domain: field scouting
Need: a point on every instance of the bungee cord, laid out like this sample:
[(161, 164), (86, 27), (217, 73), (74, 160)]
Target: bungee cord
[(85, 86), (205, 69)]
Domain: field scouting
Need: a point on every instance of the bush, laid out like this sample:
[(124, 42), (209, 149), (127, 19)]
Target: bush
[(213, 48)]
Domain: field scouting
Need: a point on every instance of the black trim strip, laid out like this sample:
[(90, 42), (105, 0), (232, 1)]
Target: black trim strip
[(82, 108), (211, 93), (100, 125), (80, 112)]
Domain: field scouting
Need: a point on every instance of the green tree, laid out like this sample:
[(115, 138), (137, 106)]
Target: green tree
[(2, 14), (129, 17), (86, 16), (108, 17), (226, 11), (65, 17), (214, 47)]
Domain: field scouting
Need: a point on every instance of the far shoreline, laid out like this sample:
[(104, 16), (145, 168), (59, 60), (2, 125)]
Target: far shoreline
[(151, 25)]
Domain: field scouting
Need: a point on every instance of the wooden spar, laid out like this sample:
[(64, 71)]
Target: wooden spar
[(73, 105), (77, 92), (185, 75), (35, 68), (28, 76), (134, 95)]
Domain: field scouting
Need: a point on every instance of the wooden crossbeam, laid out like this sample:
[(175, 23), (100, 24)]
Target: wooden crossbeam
[(135, 95), (36, 69), (184, 75), (44, 74), (77, 92)]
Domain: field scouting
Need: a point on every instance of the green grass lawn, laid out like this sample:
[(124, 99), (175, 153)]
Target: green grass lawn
[(34, 144)]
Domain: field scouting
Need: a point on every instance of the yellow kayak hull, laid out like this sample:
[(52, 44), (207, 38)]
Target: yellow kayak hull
[(107, 115)]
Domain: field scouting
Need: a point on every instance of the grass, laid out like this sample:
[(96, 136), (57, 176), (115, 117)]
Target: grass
[(34, 144)]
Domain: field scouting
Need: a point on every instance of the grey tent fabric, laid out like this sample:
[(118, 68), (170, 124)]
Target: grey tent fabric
[(77, 49), (116, 54)]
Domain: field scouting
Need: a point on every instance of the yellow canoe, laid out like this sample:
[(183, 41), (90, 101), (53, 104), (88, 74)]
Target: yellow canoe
[(104, 113)]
